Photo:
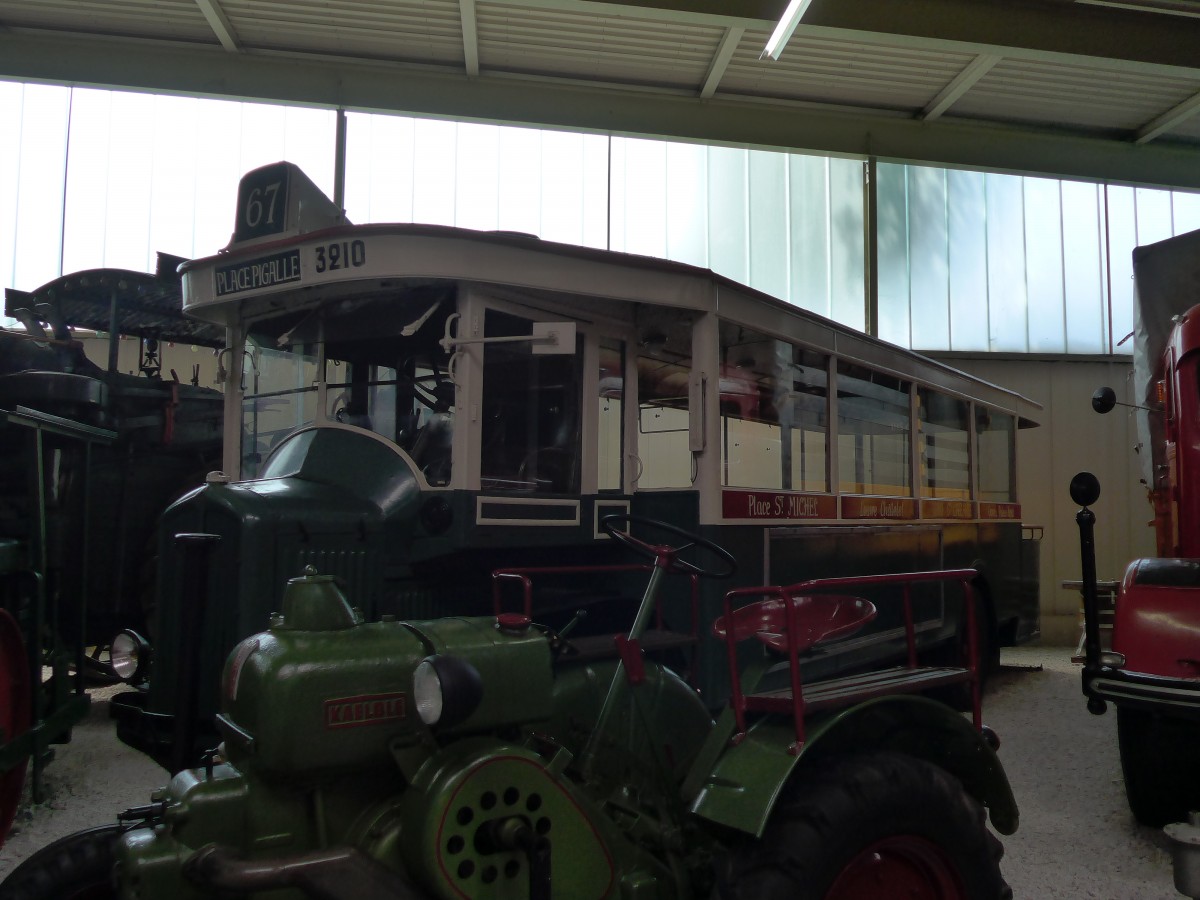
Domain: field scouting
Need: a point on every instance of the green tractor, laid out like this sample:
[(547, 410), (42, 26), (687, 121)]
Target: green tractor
[(490, 757)]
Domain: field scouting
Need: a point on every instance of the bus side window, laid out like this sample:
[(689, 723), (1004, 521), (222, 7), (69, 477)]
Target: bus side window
[(996, 437), (530, 433), (944, 446), (774, 413), (663, 414), (874, 423)]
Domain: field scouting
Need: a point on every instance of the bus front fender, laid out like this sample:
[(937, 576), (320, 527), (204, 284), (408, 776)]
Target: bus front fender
[(749, 777)]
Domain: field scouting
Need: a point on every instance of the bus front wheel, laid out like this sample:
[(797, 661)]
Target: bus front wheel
[(879, 825)]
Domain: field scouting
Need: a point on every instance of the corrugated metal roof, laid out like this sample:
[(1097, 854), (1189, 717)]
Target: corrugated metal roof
[(1039, 70)]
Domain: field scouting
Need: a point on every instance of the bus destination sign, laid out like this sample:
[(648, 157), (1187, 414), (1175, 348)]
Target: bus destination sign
[(266, 271), (878, 508), (947, 509), (262, 204), (777, 505), (1008, 511)]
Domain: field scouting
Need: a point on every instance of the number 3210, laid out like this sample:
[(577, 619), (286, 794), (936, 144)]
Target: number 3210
[(346, 255)]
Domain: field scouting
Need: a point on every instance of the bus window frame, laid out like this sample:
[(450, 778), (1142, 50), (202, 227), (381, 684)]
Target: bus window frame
[(912, 507)]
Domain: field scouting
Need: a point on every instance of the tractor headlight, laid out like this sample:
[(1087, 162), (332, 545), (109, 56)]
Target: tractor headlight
[(446, 690), (128, 654)]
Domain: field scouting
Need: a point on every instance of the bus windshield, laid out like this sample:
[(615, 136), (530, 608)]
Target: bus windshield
[(370, 362)]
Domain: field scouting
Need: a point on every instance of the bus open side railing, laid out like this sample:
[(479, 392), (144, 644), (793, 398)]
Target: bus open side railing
[(797, 618)]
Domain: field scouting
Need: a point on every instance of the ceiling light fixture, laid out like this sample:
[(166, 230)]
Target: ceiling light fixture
[(783, 31)]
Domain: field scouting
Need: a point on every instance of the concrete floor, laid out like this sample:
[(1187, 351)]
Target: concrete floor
[(1076, 840)]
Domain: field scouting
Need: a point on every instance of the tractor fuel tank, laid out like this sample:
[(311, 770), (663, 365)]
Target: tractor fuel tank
[(322, 689)]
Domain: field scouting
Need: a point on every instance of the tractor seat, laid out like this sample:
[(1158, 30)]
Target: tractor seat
[(818, 618)]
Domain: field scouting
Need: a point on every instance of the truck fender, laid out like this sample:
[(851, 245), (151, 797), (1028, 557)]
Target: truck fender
[(747, 779)]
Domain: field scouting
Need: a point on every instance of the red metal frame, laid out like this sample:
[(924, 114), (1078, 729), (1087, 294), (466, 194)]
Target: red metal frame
[(911, 678)]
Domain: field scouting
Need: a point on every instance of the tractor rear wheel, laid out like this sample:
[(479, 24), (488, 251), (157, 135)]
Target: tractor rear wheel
[(1158, 762), (879, 826), (76, 867)]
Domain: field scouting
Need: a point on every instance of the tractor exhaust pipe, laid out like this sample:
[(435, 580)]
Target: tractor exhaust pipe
[(339, 874)]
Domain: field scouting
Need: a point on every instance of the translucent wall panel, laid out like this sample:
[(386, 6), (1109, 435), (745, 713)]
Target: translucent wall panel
[(1186, 212), (1084, 289), (769, 246), (727, 224), (809, 221), (12, 98), (1007, 306), (928, 271), (1043, 265), (891, 206), (972, 261), (152, 173), (33, 157), (967, 259), (687, 236), (788, 225), (847, 244), (487, 177), (1120, 238), (639, 187)]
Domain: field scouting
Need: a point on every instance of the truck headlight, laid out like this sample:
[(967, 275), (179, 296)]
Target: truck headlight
[(128, 654), (446, 690)]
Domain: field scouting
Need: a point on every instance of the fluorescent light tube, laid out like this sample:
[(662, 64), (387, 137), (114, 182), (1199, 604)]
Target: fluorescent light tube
[(783, 31)]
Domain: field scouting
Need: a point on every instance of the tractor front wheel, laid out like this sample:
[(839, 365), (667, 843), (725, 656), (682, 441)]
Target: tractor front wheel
[(76, 867), (877, 826)]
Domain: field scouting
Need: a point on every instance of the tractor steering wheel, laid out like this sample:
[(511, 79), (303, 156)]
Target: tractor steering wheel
[(662, 553)]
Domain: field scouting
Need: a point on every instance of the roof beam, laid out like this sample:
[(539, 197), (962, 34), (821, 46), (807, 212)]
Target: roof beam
[(220, 24), (720, 60), (605, 109), (1029, 28), (470, 33), (963, 82), (1168, 120)]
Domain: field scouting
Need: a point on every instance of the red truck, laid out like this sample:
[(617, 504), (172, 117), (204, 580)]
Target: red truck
[(1152, 673)]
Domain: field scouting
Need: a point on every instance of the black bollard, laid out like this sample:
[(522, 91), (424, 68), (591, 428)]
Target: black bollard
[(1085, 490)]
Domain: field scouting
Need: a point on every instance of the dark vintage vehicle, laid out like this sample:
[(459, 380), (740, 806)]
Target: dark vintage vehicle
[(90, 455), (494, 757), (410, 407)]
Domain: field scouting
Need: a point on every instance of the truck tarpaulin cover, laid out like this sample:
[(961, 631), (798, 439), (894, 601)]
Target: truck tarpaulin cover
[(1166, 284)]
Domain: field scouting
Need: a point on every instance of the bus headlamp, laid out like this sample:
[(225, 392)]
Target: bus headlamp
[(128, 654), (446, 690)]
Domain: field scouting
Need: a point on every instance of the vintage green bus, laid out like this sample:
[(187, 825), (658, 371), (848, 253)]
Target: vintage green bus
[(410, 407)]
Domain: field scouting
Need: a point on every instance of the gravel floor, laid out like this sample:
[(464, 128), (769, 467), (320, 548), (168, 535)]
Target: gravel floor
[(1077, 839)]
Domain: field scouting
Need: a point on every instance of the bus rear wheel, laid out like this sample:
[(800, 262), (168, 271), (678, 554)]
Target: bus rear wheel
[(879, 826), (76, 867)]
